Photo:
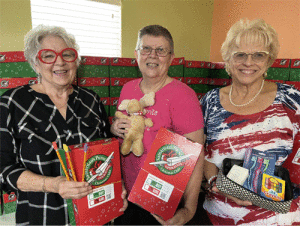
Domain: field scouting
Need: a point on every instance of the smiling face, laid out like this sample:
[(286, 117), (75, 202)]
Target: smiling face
[(153, 66), (248, 72), (60, 73)]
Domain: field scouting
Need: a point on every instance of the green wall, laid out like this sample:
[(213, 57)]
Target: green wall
[(189, 22)]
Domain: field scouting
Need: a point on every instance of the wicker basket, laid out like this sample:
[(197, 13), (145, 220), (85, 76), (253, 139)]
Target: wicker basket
[(229, 187)]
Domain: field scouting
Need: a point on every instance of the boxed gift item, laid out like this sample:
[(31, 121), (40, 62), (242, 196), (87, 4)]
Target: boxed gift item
[(257, 163), (273, 187), (97, 162), (163, 178)]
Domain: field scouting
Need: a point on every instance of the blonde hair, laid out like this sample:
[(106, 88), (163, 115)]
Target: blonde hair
[(251, 32), (35, 36)]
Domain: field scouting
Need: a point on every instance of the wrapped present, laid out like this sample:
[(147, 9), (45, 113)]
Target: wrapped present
[(163, 178)]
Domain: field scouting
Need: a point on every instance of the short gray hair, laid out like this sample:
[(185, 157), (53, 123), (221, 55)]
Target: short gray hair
[(155, 30), (252, 32), (35, 36)]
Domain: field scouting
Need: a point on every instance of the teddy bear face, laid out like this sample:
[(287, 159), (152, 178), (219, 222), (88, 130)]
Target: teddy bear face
[(134, 106)]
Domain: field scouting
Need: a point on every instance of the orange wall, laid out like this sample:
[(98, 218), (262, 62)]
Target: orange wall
[(283, 15)]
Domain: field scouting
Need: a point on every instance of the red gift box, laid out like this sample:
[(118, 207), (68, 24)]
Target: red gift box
[(292, 163), (163, 178), (102, 171)]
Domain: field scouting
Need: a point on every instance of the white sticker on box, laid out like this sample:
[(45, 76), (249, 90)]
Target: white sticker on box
[(157, 187), (101, 195)]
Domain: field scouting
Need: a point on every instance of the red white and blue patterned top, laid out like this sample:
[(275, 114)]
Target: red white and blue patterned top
[(228, 135)]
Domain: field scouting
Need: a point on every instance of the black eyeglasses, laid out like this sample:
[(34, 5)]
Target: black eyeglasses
[(257, 57), (147, 50), (49, 56)]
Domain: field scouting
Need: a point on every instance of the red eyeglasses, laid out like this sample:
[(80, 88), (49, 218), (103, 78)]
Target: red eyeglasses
[(49, 56)]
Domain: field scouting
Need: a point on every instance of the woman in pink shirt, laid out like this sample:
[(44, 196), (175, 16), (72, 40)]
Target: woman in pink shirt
[(176, 108)]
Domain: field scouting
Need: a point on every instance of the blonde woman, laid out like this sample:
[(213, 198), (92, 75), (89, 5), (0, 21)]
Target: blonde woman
[(249, 113)]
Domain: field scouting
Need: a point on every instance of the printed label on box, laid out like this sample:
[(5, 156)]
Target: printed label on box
[(101, 195), (170, 159), (98, 169), (273, 187), (158, 187)]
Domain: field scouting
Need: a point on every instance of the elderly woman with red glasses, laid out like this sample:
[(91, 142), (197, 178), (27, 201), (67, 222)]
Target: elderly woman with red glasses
[(33, 116), (249, 113)]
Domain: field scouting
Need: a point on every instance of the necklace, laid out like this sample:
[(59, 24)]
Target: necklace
[(241, 105)]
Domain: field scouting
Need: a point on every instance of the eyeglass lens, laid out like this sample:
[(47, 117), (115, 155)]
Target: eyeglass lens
[(147, 50), (50, 56), (256, 57)]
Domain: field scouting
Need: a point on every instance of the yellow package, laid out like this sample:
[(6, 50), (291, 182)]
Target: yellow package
[(273, 187)]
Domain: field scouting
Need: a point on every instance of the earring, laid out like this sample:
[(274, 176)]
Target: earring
[(265, 75), (38, 78), (75, 81)]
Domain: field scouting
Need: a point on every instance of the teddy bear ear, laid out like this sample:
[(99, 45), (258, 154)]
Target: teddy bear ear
[(148, 99), (123, 106)]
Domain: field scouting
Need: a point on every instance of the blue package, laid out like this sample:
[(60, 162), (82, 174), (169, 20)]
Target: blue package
[(258, 163)]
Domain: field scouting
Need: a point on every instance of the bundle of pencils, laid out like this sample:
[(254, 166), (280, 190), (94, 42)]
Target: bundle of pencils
[(67, 151)]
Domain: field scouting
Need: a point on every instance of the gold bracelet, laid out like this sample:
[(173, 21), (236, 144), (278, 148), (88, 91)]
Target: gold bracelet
[(43, 186)]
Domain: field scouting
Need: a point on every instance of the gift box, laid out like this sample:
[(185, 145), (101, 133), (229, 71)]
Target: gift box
[(123, 68), (218, 70), (13, 65), (295, 70), (97, 162), (8, 203), (196, 69), (163, 178), (93, 67), (176, 68), (280, 70)]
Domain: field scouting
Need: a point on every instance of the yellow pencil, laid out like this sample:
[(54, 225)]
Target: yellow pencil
[(66, 148), (60, 160), (84, 161)]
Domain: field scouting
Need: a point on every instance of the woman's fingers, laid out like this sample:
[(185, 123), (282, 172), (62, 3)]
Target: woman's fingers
[(73, 189), (120, 127), (236, 200)]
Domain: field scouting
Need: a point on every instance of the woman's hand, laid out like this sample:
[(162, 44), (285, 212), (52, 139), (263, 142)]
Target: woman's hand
[(71, 189), (211, 169), (120, 127), (181, 217), (123, 195), (236, 200)]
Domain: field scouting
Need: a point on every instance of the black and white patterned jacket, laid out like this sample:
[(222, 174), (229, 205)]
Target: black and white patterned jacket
[(29, 123)]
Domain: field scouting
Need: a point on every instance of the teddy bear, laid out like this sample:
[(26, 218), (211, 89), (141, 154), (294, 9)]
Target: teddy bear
[(135, 109)]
